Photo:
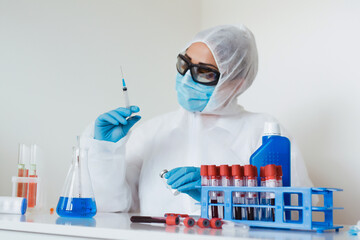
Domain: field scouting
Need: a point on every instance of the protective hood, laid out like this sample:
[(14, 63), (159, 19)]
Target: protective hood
[(235, 53)]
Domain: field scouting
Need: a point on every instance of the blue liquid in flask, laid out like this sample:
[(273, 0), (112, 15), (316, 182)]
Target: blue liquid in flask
[(76, 207)]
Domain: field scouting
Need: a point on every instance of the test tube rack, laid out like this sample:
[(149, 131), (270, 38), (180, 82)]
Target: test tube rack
[(304, 207)]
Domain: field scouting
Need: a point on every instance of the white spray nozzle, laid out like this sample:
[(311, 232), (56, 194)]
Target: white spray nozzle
[(272, 128)]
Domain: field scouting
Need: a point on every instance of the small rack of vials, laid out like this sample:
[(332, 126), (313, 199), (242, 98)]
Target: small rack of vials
[(27, 183), (232, 193)]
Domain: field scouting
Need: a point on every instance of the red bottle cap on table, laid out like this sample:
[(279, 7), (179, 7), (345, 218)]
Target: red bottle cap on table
[(189, 222), (212, 170), (203, 222), (204, 170), (172, 220), (270, 170), (216, 223), (224, 170)]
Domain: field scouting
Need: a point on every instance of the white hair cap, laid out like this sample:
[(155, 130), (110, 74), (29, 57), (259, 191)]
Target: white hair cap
[(235, 53)]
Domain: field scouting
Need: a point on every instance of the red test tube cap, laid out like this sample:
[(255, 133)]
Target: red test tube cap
[(255, 171), (224, 170), (249, 171), (237, 171), (172, 220), (212, 170), (216, 223), (262, 172), (279, 170), (203, 222), (270, 170), (189, 222), (204, 170)]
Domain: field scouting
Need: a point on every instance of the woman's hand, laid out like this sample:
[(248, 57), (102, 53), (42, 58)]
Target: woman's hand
[(185, 180), (114, 125)]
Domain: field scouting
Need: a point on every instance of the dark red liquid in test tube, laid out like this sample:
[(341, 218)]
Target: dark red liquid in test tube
[(237, 173), (212, 171), (271, 181)]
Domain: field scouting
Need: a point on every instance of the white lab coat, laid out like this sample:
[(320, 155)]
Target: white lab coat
[(125, 175)]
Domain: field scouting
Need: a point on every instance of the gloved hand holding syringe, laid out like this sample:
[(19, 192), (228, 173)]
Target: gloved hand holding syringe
[(114, 125)]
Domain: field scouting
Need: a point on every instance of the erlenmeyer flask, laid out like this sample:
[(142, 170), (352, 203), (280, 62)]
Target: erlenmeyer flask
[(77, 199)]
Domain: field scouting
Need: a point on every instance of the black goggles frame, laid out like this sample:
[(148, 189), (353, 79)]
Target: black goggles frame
[(191, 66)]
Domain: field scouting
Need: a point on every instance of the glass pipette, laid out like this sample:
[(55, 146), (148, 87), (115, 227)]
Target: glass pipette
[(78, 161)]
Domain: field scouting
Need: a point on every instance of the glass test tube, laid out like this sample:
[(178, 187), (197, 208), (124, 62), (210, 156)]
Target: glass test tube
[(33, 174), (279, 176), (22, 188), (263, 200), (225, 173), (205, 180), (204, 175), (214, 181), (237, 173), (250, 173), (218, 193), (271, 181)]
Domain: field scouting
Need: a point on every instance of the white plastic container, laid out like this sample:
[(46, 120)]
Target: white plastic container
[(13, 205)]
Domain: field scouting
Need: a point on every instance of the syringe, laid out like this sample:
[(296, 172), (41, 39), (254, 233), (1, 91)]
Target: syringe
[(126, 96)]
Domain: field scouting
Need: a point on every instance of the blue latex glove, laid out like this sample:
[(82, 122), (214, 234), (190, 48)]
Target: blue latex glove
[(114, 125), (184, 179)]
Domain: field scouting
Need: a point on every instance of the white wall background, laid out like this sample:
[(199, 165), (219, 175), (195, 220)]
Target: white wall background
[(309, 78), (59, 69)]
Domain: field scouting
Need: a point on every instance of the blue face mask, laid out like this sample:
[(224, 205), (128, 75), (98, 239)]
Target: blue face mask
[(191, 95)]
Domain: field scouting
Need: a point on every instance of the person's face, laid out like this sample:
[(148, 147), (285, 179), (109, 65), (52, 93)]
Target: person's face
[(194, 91), (199, 53)]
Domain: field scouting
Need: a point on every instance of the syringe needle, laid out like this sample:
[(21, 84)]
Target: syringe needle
[(126, 96), (122, 74)]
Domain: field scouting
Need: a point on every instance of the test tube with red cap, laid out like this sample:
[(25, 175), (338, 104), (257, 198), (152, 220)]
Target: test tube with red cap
[(225, 175), (279, 176), (263, 200), (204, 175), (271, 181), (169, 220), (219, 194), (250, 173), (237, 173), (214, 181)]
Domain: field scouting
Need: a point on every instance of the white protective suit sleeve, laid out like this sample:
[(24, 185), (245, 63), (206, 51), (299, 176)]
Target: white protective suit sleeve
[(107, 168)]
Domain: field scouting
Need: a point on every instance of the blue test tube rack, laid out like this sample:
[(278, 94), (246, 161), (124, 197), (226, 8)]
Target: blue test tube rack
[(304, 207)]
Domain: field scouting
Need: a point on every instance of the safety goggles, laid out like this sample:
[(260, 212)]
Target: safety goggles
[(200, 73)]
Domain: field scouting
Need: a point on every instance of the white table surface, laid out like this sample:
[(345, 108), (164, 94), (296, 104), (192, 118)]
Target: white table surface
[(118, 226)]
